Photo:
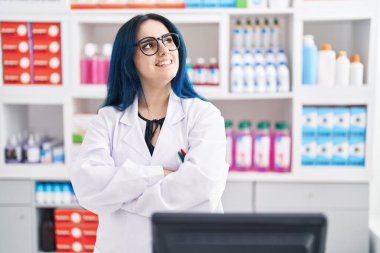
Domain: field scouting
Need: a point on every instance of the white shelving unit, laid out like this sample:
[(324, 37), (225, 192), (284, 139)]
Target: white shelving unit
[(322, 18)]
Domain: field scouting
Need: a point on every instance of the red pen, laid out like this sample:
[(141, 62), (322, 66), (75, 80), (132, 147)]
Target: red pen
[(183, 152)]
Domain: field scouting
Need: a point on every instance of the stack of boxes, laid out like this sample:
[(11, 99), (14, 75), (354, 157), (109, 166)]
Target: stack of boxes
[(75, 230), (31, 53), (333, 136)]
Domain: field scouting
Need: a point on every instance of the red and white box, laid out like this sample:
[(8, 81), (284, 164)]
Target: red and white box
[(46, 31), (14, 30)]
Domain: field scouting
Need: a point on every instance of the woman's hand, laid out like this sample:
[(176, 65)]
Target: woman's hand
[(167, 171)]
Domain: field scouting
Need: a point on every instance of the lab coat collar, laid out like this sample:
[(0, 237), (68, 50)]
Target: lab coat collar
[(134, 136), (174, 112)]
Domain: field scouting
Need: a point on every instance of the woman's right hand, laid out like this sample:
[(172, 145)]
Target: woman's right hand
[(167, 171)]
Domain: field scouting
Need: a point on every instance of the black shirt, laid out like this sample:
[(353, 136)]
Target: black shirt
[(150, 129)]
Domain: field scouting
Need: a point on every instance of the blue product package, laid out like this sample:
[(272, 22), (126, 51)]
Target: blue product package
[(357, 151), (210, 3), (309, 121), (341, 121), (227, 3), (325, 121), (324, 151), (194, 3), (309, 64), (340, 150), (309, 150), (358, 118)]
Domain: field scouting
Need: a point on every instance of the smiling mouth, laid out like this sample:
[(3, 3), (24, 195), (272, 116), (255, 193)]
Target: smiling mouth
[(164, 63)]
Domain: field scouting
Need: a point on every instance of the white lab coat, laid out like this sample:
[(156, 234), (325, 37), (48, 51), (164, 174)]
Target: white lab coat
[(115, 176)]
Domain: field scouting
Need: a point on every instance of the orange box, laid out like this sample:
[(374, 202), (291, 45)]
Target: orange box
[(18, 46), (74, 216), (44, 46), (47, 76), (46, 31), (16, 61), (15, 30), (15, 76)]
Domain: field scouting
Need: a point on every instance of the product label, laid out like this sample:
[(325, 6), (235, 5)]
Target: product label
[(309, 150), (282, 152), (262, 149), (243, 151), (229, 150)]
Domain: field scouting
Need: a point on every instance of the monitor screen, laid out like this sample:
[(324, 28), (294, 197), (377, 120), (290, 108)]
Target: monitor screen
[(238, 233)]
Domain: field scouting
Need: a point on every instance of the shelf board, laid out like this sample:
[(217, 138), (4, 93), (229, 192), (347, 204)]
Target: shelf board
[(232, 11), (252, 96), (91, 91), (32, 94), (58, 206), (34, 171), (334, 95), (305, 175)]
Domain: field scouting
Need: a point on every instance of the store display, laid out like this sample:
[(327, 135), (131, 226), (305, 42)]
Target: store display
[(54, 193), (326, 66), (201, 74), (333, 136), (261, 150), (309, 61), (31, 53), (342, 69), (356, 71)]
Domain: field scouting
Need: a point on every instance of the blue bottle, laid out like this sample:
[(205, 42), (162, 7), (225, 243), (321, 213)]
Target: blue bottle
[(309, 61), (227, 3), (194, 3)]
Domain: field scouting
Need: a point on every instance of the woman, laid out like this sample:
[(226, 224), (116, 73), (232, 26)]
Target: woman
[(129, 166)]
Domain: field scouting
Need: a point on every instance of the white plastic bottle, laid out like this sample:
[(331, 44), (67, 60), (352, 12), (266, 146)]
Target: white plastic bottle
[(237, 79), (248, 34), (356, 71), (40, 193), (269, 56), (236, 58), (248, 57), (257, 34), (189, 70), (249, 78), (260, 80), (326, 66), (283, 78), (281, 57), (275, 34), (259, 57), (271, 77), (265, 34), (342, 69), (238, 35)]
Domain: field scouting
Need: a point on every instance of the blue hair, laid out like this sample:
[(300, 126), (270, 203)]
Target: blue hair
[(123, 81)]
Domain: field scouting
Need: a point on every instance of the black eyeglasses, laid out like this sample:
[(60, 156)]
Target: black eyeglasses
[(150, 46)]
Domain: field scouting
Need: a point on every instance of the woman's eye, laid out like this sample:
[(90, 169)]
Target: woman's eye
[(147, 45), (168, 40)]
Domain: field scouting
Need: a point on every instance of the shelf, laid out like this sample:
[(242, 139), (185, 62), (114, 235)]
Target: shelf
[(34, 171), (233, 11), (306, 175), (253, 96), (58, 206), (90, 91), (32, 94), (312, 95)]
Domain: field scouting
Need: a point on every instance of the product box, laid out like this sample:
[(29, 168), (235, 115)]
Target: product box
[(341, 121), (357, 151), (358, 117), (45, 31), (15, 30), (340, 150), (16, 61), (74, 217), (309, 150), (324, 150), (325, 121), (47, 76), (309, 121), (15, 46), (14, 76), (47, 47)]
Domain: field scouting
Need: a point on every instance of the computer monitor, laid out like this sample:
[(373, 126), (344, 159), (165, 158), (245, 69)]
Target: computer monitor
[(238, 233)]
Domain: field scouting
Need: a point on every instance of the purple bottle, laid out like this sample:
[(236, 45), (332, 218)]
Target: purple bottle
[(230, 154), (13, 151), (281, 148), (243, 147), (87, 63), (262, 142)]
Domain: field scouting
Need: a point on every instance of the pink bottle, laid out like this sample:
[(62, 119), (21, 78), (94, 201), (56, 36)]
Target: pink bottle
[(261, 143), (87, 63), (230, 154), (105, 63), (243, 147), (281, 148)]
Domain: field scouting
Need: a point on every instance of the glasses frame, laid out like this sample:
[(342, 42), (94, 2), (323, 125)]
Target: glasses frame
[(138, 43)]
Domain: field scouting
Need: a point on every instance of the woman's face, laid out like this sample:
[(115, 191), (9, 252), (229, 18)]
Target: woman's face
[(158, 69)]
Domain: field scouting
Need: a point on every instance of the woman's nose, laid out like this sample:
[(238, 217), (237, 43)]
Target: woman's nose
[(162, 49)]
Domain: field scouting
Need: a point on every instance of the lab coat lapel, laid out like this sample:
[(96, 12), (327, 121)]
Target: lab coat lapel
[(134, 137), (169, 134)]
